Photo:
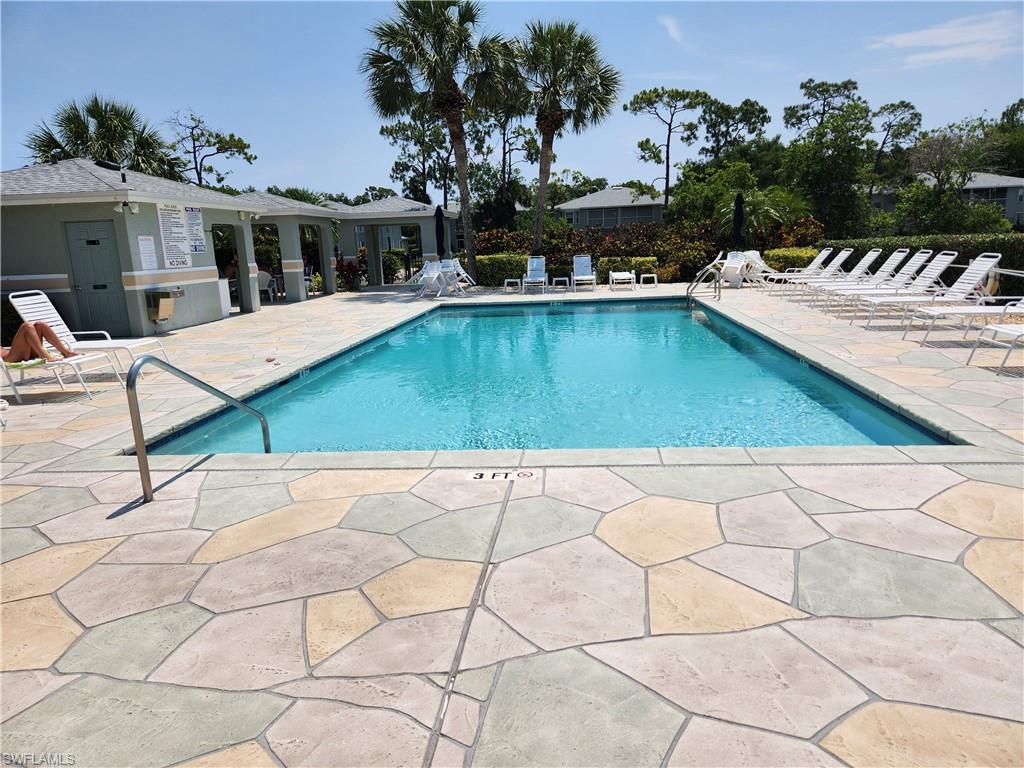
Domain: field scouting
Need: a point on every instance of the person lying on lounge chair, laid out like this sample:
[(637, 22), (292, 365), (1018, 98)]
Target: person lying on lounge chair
[(28, 344)]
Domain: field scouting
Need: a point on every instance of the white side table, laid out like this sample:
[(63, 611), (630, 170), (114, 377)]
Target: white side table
[(560, 281), (650, 280), (514, 283)]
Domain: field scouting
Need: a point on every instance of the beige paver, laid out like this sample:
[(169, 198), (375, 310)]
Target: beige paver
[(986, 509), (903, 735), (333, 621), (422, 586), (36, 632), (657, 529), (1000, 564), (272, 528), (42, 572), (688, 599), (251, 754), (333, 484)]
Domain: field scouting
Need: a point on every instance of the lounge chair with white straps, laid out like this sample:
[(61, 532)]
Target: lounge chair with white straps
[(830, 271), (583, 272), (840, 292), (780, 278), (1014, 331), (78, 365), (966, 315), (35, 306), (536, 275), (968, 288), (811, 284)]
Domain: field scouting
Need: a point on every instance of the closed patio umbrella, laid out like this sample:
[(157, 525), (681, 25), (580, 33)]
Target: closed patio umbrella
[(737, 221), (439, 231)]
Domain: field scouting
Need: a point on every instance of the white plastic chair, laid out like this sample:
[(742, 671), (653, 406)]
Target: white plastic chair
[(76, 364), (1014, 331), (265, 283), (536, 274), (583, 272), (462, 273), (448, 279), (780, 278), (626, 279), (35, 306)]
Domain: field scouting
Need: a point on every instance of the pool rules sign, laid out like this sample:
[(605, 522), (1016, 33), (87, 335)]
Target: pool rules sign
[(181, 231)]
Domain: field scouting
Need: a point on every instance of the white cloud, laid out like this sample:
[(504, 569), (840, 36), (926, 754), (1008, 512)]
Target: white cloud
[(984, 37), (671, 25)]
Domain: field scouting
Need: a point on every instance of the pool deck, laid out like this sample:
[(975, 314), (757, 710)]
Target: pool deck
[(666, 607)]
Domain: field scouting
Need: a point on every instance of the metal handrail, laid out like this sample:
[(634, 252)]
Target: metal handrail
[(710, 269), (133, 410)]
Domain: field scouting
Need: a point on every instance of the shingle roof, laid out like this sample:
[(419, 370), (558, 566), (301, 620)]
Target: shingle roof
[(985, 180), (612, 197), (395, 206), (334, 205), (278, 205), (83, 179)]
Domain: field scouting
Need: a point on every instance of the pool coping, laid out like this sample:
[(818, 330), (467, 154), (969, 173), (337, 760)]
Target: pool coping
[(974, 443)]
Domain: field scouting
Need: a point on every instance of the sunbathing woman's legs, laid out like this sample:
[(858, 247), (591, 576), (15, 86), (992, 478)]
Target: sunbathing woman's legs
[(28, 344), (47, 334), (25, 346)]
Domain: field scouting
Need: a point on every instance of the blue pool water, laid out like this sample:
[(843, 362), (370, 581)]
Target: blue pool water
[(608, 375)]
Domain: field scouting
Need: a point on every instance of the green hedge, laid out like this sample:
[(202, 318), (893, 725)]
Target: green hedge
[(1010, 245), (493, 270), (787, 258)]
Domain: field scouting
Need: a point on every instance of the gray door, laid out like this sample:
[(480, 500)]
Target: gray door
[(96, 275)]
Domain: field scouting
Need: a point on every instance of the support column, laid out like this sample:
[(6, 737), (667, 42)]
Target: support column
[(248, 285), (428, 240), (347, 240), (327, 257), (374, 268), (291, 260)]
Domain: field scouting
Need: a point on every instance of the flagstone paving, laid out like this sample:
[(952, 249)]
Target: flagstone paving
[(284, 610)]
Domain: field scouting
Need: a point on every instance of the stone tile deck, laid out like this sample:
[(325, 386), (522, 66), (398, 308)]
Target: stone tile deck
[(682, 607)]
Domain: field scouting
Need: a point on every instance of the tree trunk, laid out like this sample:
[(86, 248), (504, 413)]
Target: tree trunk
[(668, 163), (547, 139), (457, 133)]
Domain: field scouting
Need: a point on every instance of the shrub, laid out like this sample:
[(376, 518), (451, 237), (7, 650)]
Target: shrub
[(787, 258), (1010, 245), (392, 262), (494, 269)]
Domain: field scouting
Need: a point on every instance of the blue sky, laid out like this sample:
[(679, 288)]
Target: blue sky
[(284, 75)]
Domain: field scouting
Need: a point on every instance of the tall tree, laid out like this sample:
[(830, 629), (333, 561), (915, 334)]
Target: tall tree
[(952, 154), (107, 130), (570, 86), (419, 140), (823, 99), (895, 125), (432, 53), (1009, 132), (825, 163), (200, 144), (667, 106), (727, 126)]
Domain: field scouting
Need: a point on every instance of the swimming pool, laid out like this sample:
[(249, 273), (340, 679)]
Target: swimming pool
[(621, 374)]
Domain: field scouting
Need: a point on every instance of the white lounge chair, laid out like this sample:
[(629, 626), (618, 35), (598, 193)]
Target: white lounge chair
[(76, 364), (902, 285), (428, 278), (449, 279), (966, 314), (464, 276), (733, 268), (35, 306), (1014, 331), (965, 289), (625, 279), (842, 292), (779, 278), (855, 275), (536, 275), (583, 272), (831, 270)]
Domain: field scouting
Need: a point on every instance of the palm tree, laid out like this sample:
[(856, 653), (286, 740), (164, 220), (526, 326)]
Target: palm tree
[(764, 212), (570, 85), (103, 129), (431, 54)]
